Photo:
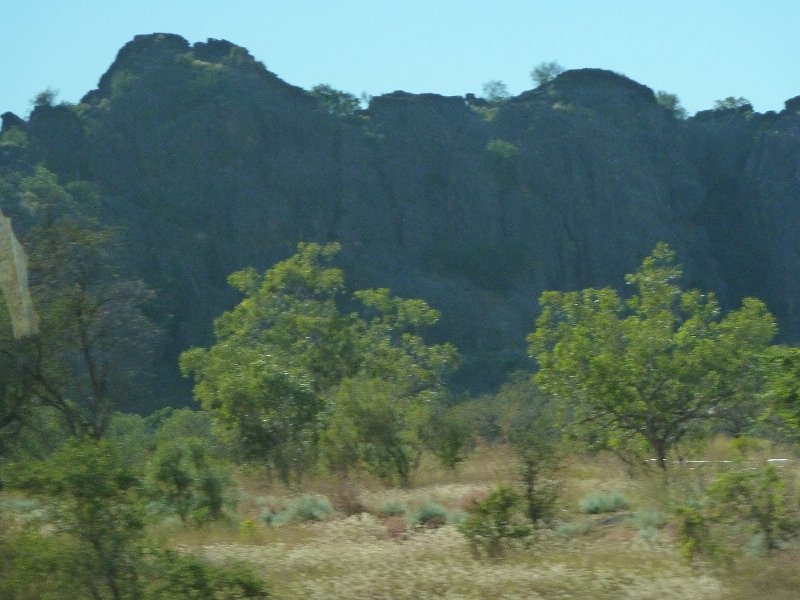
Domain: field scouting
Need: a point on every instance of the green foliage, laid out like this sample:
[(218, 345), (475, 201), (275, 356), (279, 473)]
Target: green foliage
[(87, 540), (288, 363), (372, 427), (502, 162), (429, 515), (672, 103), (782, 389), (603, 502), (96, 509), (648, 370), (393, 508), (545, 72), (131, 434), (304, 509), (448, 434), (94, 339), (502, 150), (40, 566), (529, 422), (180, 576), (15, 136), (734, 103), (495, 91), (487, 113), (492, 523), (336, 102), (183, 475), (46, 97), (738, 505)]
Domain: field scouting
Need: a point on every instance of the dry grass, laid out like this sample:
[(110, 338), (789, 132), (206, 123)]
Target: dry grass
[(371, 557), (357, 558)]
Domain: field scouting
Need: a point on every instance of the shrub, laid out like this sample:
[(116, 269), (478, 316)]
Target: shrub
[(304, 509), (492, 523), (184, 476), (430, 515), (393, 508), (183, 576), (740, 510), (603, 502)]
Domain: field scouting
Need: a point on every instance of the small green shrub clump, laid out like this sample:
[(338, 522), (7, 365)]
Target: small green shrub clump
[(430, 515), (649, 522), (393, 508), (603, 502), (492, 523), (302, 510)]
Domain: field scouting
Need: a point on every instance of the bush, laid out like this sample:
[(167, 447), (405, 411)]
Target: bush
[(304, 509), (492, 523), (430, 515), (183, 576), (603, 502), (184, 476), (393, 508), (740, 510)]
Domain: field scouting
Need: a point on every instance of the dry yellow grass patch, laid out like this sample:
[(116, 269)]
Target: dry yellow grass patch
[(355, 558)]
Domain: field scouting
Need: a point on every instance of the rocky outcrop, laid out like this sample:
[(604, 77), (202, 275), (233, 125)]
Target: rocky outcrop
[(210, 163)]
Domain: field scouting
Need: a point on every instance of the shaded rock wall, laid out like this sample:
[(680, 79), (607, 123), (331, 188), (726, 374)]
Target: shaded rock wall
[(211, 163)]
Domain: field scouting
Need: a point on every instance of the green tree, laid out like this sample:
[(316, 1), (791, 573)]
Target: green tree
[(96, 505), (545, 72), (782, 389), (336, 102), (283, 352), (371, 427), (647, 370), (94, 338), (672, 103), (732, 102), (495, 91)]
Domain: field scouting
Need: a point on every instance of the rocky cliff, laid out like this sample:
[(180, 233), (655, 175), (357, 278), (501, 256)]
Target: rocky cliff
[(210, 163)]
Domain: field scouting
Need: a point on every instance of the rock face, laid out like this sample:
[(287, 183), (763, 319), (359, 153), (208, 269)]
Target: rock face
[(210, 163)]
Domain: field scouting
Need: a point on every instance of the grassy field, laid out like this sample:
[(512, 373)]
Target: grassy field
[(368, 547)]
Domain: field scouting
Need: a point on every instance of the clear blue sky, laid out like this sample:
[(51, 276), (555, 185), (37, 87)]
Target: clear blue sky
[(700, 50)]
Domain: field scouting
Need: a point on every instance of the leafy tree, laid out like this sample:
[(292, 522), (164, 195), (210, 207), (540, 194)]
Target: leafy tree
[(545, 72), (648, 369), (337, 102), (283, 352), (46, 97), (94, 338), (372, 427), (732, 102), (672, 103), (96, 506), (495, 91), (782, 388)]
